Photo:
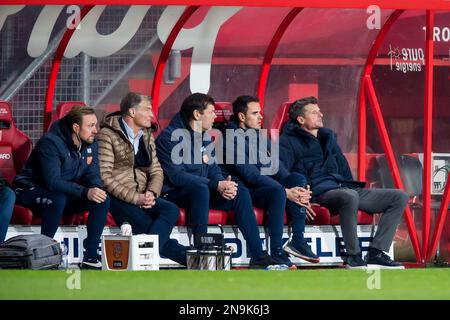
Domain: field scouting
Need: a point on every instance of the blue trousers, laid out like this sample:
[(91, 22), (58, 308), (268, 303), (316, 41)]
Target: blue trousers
[(295, 212), (52, 205), (7, 199), (272, 199), (198, 199), (160, 220)]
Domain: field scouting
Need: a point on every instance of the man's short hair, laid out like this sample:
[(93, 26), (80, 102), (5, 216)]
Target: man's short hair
[(195, 101), (132, 100), (241, 104), (75, 115), (297, 108)]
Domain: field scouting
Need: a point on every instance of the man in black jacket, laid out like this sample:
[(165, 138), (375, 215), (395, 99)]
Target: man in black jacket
[(7, 199), (62, 176), (194, 181), (308, 148), (271, 186)]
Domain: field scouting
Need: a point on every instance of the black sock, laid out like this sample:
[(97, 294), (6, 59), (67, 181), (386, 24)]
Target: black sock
[(274, 250), (374, 251)]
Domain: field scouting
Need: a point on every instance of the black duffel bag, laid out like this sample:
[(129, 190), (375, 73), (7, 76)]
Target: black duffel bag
[(31, 251)]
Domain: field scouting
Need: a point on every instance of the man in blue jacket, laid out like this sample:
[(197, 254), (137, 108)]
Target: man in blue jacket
[(194, 181), (271, 186), (62, 176), (7, 199), (308, 148)]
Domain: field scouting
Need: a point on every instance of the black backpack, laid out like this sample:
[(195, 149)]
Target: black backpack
[(31, 251)]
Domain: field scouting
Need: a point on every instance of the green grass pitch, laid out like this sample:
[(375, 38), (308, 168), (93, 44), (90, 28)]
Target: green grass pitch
[(431, 283)]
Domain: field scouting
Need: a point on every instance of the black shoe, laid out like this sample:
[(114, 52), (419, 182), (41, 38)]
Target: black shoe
[(382, 261), (265, 262), (91, 263), (301, 250), (355, 261), (280, 257)]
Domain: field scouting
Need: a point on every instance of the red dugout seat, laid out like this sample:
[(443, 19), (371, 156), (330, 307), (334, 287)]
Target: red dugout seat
[(281, 116), (63, 108), (221, 217), (15, 147), (223, 111)]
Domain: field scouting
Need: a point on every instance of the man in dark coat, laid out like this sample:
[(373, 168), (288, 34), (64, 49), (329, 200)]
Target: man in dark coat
[(308, 148), (7, 199), (194, 181), (62, 176)]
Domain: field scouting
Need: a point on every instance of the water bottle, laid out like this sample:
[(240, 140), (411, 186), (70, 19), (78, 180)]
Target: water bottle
[(277, 267), (65, 259), (125, 229)]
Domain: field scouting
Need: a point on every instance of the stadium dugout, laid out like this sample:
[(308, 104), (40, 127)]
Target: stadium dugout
[(380, 69)]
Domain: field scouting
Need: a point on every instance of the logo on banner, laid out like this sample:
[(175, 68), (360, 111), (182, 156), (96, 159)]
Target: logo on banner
[(117, 251), (406, 59)]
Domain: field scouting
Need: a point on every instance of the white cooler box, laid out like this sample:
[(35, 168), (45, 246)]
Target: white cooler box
[(139, 252)]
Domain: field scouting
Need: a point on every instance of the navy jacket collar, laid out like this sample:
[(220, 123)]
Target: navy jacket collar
[(293, 129), (63, 132)]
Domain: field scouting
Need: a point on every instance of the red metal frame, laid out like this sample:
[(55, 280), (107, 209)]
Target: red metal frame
[(362, 136), (268, 56), (367, 86), (383, 4), (439, 223), (55, 69), (362, 132), (428, 118), (370, 90), (157, 79), (427, 132)]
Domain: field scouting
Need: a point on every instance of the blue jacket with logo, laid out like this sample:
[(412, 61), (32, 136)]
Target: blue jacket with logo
[(249, 171), (57, 165), (193, 169), (320, 159)]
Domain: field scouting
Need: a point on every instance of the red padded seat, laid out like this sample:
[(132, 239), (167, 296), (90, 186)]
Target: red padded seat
[(63, 108), (15, 148)]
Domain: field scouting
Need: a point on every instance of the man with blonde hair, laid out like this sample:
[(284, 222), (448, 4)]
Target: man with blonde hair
[(62, 177)]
